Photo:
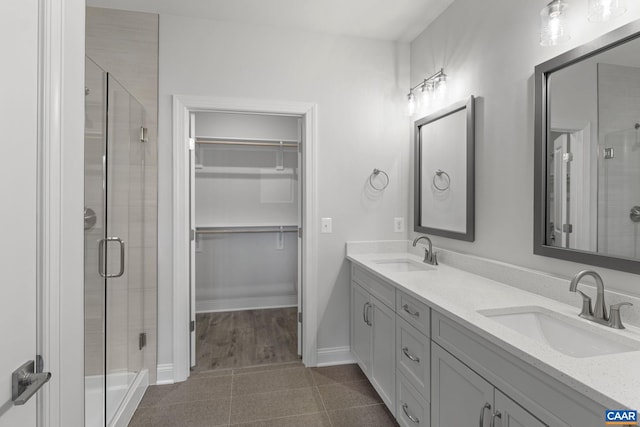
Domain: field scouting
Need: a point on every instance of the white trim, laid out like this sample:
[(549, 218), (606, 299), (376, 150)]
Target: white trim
[(165, 374), (247, 303), (60, 203), (335, 356), (182, 105)]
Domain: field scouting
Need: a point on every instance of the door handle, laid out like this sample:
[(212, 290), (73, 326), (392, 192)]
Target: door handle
[(411, 357), (25, 382), (486, 406), (102, 269), (369, 306)]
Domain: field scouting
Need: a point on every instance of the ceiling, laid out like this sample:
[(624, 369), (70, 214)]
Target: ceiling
[(395, 20)]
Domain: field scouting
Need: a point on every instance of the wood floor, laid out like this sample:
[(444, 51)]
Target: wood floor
[(235, 339)]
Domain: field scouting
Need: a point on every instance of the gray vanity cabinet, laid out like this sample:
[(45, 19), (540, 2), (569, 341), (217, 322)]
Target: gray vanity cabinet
[(463, 398), (373, 335), (459, 395)]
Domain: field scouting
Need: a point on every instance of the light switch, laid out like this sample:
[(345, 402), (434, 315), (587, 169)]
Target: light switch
[(398, 224), (326, 225)]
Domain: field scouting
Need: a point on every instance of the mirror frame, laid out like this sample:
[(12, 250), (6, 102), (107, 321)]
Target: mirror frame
[(606, 42), (469, 235)]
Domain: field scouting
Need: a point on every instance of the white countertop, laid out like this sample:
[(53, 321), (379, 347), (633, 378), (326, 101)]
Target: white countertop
[(612, 380)]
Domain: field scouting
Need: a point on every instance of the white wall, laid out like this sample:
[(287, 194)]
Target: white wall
[(489, 49), (359, 86)]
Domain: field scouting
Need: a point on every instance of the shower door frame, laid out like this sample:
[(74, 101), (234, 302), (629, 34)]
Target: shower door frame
[(182, 107)]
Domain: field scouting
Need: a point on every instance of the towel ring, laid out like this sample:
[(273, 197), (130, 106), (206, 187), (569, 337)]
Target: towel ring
[(439, 174), (375, 173)]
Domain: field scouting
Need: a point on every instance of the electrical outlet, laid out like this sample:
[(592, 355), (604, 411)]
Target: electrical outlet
[(326, 225), (398, 224)]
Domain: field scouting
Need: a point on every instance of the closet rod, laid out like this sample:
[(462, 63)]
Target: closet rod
[(230, 230), (252, 143)]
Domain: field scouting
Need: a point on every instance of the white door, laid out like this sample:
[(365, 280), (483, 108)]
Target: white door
[(509, 414), (360, 327), (383, 351), (560, 212), (300, 240), (18, 195)]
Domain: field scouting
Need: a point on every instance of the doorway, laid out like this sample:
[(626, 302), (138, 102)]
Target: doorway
[(185, 236), (245, 209)]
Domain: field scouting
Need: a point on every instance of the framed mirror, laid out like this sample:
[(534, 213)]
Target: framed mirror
[(587, 145), (444, 172)]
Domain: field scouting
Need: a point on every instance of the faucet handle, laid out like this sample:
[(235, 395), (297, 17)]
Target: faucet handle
[(434, 257), (587, 310), (614, 315)]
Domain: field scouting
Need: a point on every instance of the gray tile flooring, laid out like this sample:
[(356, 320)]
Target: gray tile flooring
[(282, 395)]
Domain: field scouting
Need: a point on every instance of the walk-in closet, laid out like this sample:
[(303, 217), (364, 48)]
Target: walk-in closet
[(245, 216)]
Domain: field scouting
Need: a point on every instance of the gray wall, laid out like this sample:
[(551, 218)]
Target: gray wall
[(489, 49), (359, 86)]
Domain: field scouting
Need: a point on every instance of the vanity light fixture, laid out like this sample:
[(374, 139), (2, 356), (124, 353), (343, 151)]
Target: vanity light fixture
[(431, 87), (553, 24), (603, 10)]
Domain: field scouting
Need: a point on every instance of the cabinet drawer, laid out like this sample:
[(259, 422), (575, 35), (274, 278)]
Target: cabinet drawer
[(413, 311), (413, 410), (383, 291), (412, 356)]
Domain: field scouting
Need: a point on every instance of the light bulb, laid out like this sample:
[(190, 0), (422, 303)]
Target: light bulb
[(441, 86), (603, 10), (553, 24), (427, 89), (411, 104)]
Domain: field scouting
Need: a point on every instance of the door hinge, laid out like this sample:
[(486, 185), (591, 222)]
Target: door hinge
[(192, 326), (567, 228), (192, 144), (299, 232), (39, 364), (192, 234), (144, 134), (609, 153), (142, 340), (567, 157), (299, 317)]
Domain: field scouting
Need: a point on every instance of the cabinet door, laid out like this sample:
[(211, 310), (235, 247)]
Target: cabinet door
[(459, 396), (383, 354), (509, 414), (360, 329)]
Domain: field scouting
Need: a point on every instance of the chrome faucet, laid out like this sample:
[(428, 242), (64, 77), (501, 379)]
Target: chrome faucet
[(598, 313), (430, 257)]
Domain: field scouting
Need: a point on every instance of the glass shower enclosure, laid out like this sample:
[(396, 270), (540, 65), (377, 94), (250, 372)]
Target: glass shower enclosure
[(114, 251)]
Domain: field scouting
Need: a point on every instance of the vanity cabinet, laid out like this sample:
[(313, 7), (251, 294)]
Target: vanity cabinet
[(431, 370), (373, 338), (463, 398)]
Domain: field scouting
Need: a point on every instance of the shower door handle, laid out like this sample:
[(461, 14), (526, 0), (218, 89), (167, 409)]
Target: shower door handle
[(102, 269)]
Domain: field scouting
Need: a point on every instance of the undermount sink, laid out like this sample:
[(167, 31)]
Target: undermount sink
[(402, 265), (573, 337)]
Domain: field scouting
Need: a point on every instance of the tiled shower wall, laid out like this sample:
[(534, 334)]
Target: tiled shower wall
[(126, 45)]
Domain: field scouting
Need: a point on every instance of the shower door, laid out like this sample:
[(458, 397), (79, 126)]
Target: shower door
[(114, 210)]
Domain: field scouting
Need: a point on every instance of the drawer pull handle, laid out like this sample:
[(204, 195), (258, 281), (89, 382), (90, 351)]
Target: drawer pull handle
[(405, 408), (496, 414), (406, 308), (405, 350), (484, 408)]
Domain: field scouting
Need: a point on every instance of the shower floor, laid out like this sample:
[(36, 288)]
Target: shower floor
[(118, 397), (234, 339)]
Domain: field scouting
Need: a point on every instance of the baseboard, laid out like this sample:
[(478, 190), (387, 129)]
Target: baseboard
[(165, 374), (249, 303), (335, 356)]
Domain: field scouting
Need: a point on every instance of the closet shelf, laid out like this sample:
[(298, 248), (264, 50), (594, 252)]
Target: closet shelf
[(251, 142), (248, 229), (208, 170)]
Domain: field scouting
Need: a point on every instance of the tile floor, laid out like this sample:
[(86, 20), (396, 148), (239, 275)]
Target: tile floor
[(282, 395)]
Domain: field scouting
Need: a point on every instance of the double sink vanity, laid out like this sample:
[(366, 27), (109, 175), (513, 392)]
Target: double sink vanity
[(447, 347)]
